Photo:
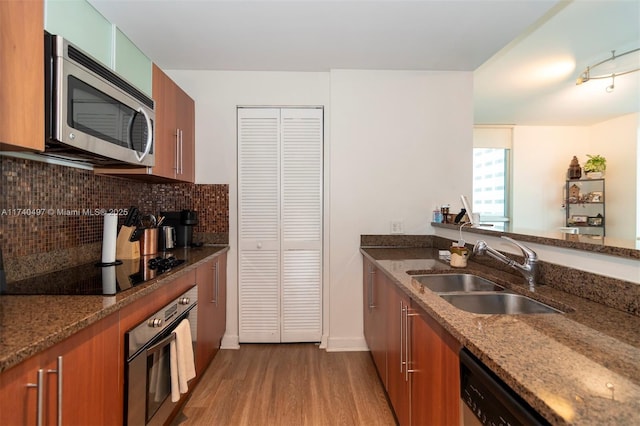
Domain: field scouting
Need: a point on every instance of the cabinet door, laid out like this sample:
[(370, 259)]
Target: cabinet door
[(375, 317), (18, 393), (21, 84), (211, 278), (91, 388), (82, 25), (435, 382), (166, 136), (398, 387), (131, 63), (186, 127), (220, 320)]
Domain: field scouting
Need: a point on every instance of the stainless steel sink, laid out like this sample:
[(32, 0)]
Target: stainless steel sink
[(498, 303), (447, 283)]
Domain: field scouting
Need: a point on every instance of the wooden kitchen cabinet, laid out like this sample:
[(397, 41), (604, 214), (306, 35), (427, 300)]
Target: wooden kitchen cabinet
[(174, 136), (375, 314), (435, 381), (399, 385), (21, 81), (212, 309), (91, 387), (422, 366), (175, 129), (18, 394)]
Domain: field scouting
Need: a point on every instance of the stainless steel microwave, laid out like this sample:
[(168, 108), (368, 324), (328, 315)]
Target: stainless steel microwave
[(92, 115)]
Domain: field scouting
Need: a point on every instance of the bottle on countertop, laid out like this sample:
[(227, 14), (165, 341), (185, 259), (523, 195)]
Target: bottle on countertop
[(437, 215)]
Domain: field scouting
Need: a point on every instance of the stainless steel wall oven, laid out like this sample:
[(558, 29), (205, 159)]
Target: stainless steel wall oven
[(147, 371)]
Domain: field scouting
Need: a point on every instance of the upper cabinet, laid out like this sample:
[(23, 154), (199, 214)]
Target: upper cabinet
[(21, 71), (175, 124), (78, 22), (131, 63), (81, 24)]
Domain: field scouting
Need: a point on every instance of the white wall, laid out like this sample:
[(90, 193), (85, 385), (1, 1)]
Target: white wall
[(217, 95), (617, 141), (541, 157), (400, 144)]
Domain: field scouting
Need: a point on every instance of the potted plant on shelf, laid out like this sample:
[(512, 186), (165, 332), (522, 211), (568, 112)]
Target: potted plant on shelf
[(595, 166)]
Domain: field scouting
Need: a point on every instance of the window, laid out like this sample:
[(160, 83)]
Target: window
[(491, 156)]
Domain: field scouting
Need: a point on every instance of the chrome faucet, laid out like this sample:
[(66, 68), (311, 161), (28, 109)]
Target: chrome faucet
[(529, 269)]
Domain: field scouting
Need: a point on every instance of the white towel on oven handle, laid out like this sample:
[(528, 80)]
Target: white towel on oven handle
[(182, 363)]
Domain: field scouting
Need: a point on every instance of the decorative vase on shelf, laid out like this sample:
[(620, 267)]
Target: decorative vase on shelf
[(574, 171), (595, 175)]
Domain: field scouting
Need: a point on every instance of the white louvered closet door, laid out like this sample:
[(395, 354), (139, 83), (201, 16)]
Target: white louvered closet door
[(280, 224)]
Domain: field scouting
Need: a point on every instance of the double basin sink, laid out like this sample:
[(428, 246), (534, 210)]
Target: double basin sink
[(481, 296)]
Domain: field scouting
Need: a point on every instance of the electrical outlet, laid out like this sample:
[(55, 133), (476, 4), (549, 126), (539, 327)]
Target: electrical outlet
[(397, 227)]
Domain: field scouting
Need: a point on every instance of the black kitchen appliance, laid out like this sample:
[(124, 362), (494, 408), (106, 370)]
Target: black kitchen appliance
[(184, 222), (486, 400), (89, 279)]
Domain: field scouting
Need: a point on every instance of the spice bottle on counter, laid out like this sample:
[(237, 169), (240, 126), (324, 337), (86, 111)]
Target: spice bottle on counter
[(437, 215)]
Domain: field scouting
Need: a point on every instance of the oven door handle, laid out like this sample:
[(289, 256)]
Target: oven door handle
[(161, 344)]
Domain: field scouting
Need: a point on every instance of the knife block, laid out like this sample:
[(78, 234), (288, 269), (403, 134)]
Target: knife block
[(126, 249)]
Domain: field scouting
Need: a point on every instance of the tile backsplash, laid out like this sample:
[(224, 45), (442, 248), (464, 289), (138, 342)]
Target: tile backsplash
[(54, 213)]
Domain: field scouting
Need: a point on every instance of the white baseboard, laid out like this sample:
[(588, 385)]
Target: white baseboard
[(345, 344), (230, 342)]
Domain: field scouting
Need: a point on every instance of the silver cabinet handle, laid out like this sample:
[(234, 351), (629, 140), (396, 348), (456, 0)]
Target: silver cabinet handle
[(401, 336), (39, 385), (215, 283), (409, 346), (177, 151), (372, 273), (58, 371), (181, 154)]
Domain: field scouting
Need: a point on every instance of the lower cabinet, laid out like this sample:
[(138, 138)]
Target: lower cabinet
[(375, 314), (421, 368), (399, 385), (435, 377), (212, 309), (76, 379), (80, 381)]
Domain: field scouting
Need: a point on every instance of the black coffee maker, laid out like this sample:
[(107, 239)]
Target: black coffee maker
[(183, 221)]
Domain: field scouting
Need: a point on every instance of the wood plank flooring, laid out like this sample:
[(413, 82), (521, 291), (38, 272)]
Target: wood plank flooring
[(288, 384)]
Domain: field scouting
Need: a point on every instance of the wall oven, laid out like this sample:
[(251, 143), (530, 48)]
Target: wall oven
[(147, 370), (92, 115)]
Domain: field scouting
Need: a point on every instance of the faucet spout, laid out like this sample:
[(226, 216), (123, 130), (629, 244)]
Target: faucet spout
[(529, 268)]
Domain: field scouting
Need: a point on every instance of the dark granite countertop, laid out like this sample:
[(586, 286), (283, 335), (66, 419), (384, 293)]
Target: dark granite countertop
[(31, 324), (561, 364)]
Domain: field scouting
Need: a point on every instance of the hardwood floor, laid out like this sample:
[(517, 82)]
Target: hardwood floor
[(288, 384)]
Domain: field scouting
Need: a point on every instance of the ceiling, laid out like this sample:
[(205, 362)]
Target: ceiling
[(484, 36)]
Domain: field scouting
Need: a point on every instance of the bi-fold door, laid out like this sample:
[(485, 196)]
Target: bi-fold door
[(280, 224)]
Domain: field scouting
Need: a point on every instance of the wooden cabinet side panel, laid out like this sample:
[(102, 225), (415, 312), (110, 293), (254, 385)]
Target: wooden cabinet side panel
[(21, 68), (221, 308), (206, 314)]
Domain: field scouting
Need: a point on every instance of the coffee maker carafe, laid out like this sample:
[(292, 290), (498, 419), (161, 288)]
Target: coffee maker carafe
[(183, 222)]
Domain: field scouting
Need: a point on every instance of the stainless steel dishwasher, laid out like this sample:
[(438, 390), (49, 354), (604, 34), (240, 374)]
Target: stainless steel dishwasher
[(487, 400)]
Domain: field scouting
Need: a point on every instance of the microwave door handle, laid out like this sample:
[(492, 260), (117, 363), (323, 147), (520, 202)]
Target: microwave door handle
[(149, 136)]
